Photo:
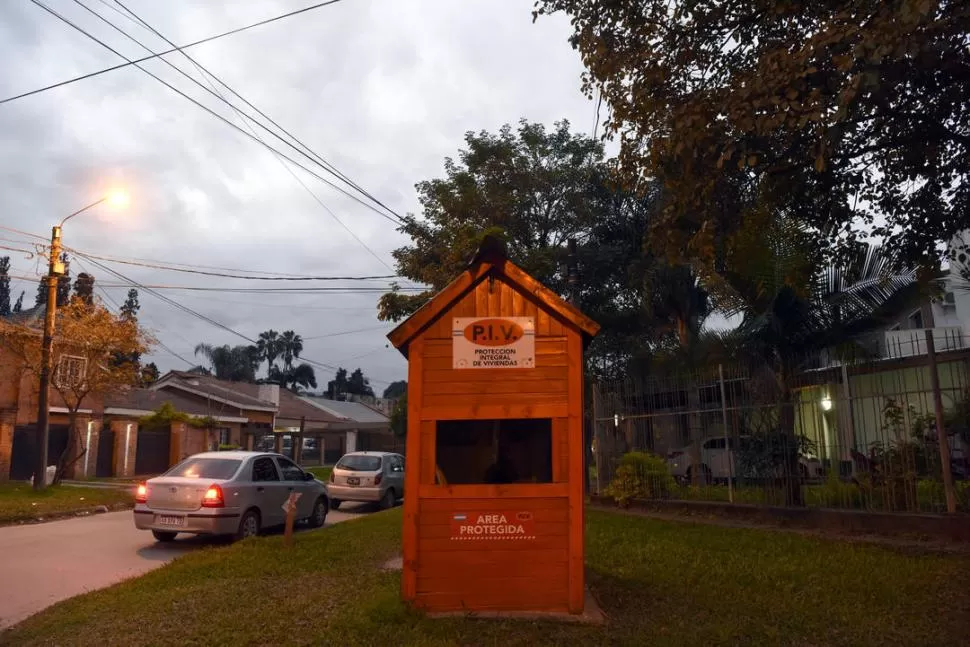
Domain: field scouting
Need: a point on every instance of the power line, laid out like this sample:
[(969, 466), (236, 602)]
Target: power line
[(24, 233), (117, 306), (160, 54), (346, 332), (201, 68), (234, 276), (212, 112), (310, 153)]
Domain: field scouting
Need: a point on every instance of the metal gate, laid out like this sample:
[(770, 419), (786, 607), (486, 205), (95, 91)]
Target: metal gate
[(106, 450), (22, 452), (152, 453)]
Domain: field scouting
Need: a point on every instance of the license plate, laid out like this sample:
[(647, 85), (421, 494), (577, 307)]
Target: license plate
[(171, 521), (353, 480)]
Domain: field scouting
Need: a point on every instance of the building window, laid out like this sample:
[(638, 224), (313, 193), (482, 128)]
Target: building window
[(70, 371), (224, 436), (494, 451)]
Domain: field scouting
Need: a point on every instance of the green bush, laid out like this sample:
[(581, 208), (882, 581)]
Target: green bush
[(640, 475), (228, 448)]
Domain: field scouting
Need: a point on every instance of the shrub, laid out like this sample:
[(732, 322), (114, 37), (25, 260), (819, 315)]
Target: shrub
[(228, 448), (640, 475)]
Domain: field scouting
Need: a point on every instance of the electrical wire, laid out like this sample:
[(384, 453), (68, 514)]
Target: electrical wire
[(347, 332), (24, 233), (199, 66), (209, 320), (243, 117), (212, 112), (234, 276), (160, 54), (117, 306)]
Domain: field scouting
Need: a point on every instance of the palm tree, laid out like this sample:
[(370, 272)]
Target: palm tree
[(796, 304), (296, 378), (291, 345), (268, 344), (237, 363)]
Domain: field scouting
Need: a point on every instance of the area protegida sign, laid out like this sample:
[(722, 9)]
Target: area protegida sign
[(493, 342)]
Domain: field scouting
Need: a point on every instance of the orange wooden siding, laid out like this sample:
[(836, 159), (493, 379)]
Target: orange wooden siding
[(493, 574)]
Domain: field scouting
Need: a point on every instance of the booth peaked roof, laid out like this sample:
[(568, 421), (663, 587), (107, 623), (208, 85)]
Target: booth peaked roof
[(490, 259)]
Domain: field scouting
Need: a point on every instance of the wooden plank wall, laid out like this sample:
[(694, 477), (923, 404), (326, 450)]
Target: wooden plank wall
[(524, 574), (541, 392)]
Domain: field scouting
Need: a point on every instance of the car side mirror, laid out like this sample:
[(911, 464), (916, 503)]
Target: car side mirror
[(308, 476)]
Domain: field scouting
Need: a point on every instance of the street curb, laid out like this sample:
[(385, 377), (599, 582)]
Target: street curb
[(68, 514)]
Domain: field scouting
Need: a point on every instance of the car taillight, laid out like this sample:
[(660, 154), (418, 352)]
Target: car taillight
[(141, 494), (213, 497), (378, 478)]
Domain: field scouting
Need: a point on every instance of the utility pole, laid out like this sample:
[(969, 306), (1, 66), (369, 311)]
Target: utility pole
[(54, 270), (950, 493)]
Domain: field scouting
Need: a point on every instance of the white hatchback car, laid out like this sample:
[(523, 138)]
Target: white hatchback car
[(719, 463)]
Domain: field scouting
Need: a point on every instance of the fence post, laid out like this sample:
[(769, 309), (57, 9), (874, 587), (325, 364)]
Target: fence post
[(951, 501), (727, 440), (598, 440), (849, 421)]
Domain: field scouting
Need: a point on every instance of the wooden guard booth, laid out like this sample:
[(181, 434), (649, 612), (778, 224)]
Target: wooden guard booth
[(493, 506)]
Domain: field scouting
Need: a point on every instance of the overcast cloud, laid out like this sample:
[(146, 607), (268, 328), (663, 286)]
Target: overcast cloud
[(384, 89)]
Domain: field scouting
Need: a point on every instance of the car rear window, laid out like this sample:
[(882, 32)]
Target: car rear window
[(360, 463), (205, 468)]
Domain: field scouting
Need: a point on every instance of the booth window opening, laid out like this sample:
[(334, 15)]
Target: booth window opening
[(493, 452)]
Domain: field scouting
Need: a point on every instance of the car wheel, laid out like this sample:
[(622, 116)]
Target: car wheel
[(388, 500), (164, 535), (704, 475), (335, 504), (248, 525), (319, 516)]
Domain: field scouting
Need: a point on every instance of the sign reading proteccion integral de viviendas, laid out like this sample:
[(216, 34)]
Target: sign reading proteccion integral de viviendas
[(493, 342), (499, 526)]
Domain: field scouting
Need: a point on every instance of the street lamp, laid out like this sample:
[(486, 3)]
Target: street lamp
[(55, 269)]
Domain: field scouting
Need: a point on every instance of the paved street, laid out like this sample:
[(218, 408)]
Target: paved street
[(44, 563)]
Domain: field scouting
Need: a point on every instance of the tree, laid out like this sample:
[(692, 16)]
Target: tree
[(19, 306), (40, 298), (338, 385), (357, 384), (64, 283), (290, 347), (87, 338), (395, 390), (4, 286), (530, 186), (130, 308), (296, 378), (84, 288), (796, 304), (149, 374), (399, 417), (852, 112), (235, 363), (268, 344)]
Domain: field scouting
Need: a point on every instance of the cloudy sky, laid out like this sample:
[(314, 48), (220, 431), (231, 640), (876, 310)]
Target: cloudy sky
[(383, 89)]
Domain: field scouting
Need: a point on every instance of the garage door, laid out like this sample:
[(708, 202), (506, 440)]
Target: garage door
[(152, 453)]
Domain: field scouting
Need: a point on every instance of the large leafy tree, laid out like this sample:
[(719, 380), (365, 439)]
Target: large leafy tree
[(852, 113), (354, 383), (130, 308), (87, 340), (530, 184)]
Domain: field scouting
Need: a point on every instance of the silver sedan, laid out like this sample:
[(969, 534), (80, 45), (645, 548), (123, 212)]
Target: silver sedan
[(228, 493)]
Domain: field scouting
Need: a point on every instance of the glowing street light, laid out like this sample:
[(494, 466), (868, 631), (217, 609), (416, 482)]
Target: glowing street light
[(116, 198)]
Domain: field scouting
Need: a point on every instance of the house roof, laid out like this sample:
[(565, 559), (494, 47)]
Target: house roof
[(29, 317), (139, 402), (350, 411), (293, 407), (238, 394), (490, 260)]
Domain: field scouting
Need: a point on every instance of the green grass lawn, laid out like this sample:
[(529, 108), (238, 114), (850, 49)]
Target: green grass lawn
[(19, 502), (660, 583), (322, 473)]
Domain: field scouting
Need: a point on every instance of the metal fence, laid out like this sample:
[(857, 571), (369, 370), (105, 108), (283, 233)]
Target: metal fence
[(854, 435)]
